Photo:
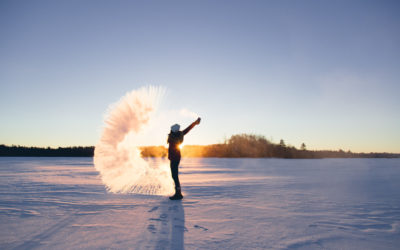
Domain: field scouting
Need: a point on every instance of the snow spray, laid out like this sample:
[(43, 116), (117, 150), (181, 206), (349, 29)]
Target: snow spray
[(117, 155)]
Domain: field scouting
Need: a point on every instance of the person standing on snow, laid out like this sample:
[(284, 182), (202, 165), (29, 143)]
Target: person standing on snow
[(175, 138)]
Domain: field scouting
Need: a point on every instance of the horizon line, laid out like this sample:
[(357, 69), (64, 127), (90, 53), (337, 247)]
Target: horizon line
[(204, 145)]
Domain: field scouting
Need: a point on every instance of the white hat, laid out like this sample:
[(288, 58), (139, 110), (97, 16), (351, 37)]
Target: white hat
[(175, 128)]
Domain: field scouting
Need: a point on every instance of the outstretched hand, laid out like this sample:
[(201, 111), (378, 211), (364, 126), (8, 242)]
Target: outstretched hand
[(197, 122)]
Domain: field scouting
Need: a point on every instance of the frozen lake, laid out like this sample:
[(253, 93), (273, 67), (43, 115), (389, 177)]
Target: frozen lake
[(60, 203)]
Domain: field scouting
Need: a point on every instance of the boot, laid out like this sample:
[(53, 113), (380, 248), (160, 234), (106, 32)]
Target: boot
[(178, 195)]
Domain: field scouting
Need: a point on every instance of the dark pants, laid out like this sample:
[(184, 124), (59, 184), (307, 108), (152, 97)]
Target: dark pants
[(174, 171)]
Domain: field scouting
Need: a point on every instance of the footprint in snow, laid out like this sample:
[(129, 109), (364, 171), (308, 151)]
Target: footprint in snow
[(200, 227), (183, 228), (151, 228), (153, 209)]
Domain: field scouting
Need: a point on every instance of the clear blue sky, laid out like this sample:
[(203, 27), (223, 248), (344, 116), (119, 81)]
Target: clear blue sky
[(321, 72)]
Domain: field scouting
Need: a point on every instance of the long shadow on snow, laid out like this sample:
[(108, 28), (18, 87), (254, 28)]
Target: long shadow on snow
[(171, 225)]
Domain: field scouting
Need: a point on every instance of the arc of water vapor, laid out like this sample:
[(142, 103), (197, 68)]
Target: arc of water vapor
[(117, 157)]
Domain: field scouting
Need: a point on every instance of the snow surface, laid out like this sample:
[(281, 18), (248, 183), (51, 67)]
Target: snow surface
[(60, 203)]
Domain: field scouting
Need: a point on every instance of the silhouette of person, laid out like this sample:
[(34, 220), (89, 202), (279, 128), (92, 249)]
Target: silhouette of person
[(175, 138)]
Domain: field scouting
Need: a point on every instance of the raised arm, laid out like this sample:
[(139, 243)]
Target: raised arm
[(191, 126)]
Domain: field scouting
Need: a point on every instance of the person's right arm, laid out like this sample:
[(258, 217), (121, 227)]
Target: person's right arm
[(186, 130)]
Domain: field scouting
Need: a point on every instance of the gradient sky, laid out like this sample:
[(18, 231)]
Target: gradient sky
[(325, 73)]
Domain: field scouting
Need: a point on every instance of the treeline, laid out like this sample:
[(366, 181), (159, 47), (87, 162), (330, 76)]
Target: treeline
[(36, 151), (255, 146), (237, 146)]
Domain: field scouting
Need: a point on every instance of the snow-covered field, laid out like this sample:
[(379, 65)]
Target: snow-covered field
[(60, 203)]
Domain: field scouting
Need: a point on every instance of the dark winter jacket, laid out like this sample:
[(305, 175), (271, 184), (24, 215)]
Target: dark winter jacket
[(174, 140)]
